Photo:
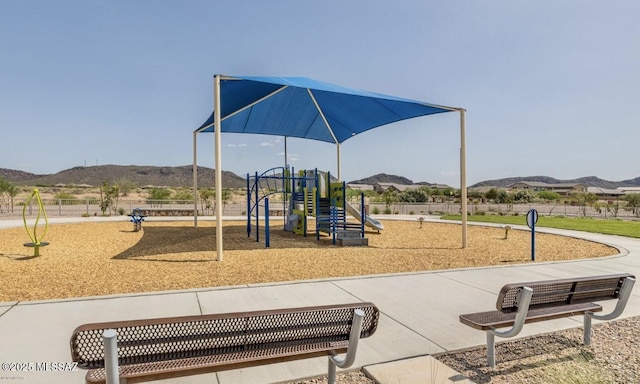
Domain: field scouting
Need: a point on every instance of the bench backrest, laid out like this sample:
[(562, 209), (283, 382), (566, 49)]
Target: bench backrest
[(563, 291), (144, 341)]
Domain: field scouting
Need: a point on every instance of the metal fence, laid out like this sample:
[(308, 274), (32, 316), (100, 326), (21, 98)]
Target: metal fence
[(567, 210), (91, 207)]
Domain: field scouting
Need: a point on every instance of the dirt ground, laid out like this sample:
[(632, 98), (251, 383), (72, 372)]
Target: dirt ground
[(90, 259)]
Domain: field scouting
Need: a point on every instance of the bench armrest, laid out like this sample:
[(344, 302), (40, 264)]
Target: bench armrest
[(524, 298), (623, 298), (354, 337)]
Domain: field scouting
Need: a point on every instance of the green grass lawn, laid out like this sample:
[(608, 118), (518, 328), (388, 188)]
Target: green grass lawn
[(609, 227)]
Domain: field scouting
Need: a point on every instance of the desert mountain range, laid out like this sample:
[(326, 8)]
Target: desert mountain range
[(182, 176)]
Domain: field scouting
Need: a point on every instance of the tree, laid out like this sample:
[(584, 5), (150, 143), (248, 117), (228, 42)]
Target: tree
[(109, 195), (448, 192), (206, 199), (523, 196), (226, 197), (125, 185), (413, 196), (158, 195), (548, 196), (8, 192), (353, 194), (475, 195), (503, 197), (491, 194), (633, 202), (434, 193), (584, 199), (183, 195), (389, 197)]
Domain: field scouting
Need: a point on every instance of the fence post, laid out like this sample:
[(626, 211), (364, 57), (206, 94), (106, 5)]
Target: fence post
[(87, 204), (59, 207)]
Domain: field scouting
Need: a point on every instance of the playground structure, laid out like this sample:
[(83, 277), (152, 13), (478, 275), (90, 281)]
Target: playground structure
[(309, 194), (136, 218), (36, 242)]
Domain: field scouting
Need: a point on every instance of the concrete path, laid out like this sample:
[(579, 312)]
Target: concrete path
[(419, 315)]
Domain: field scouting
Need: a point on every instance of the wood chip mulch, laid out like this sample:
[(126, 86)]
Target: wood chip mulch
[(90, 259)]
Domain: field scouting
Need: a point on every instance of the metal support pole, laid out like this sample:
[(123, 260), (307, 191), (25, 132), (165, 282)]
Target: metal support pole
[(195, 180), (218, 161), (266, 222), (338, 162), (491, 350), (586, 337), (463, 176), (248, 206), (331, 376), (110, 337)]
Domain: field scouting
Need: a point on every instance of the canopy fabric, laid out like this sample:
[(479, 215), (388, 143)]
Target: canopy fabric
[(306, 108)]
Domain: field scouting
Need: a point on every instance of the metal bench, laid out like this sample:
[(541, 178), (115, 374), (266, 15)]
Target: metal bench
[(179, 346), (168, 211), (523, 303)]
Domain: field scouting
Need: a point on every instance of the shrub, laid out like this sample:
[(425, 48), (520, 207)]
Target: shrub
[(387, 211), (65, 196), (375, 210), (121, 211), (480, 212)]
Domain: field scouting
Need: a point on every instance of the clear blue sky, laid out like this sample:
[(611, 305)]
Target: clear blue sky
[(551, 87)]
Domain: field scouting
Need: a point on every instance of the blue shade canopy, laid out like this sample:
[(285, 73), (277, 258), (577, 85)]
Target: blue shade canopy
[(307, 108)]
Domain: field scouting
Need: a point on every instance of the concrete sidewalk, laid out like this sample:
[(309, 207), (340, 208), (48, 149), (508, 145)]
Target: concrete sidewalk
[(419, 315)]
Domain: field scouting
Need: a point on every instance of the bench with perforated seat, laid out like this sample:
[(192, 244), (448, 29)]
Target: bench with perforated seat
[(531, 302), (155, 349)]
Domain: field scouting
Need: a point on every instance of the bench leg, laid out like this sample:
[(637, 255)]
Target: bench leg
[(491, 350), (586, 337), (354, 337), (331, 377)]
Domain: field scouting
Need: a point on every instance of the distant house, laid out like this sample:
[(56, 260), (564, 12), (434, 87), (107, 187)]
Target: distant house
[(360, 187), (383, 187), (627, 190), (537, 186), (441, 187), (604, 193)]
